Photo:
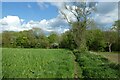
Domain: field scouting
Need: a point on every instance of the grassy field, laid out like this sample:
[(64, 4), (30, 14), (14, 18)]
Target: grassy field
[(55, 63), (112, 56), (37, 63), (0, 63)]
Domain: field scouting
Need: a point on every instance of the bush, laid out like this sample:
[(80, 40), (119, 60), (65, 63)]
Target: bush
[(99, 72), (96, 66), (54, 45)]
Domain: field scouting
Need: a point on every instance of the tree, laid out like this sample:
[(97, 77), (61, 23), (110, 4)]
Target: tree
[(8, 39), (53, 40), (116, 26), (53, 37), (95, 40), (67, 40), (81, 12), (22, 40), (0, 39), (110, 37), (42, 41)]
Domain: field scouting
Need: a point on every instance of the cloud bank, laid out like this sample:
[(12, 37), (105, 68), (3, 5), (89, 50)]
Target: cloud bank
[(14, 23)]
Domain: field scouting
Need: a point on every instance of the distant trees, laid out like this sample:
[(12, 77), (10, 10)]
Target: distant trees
[(111, 38), (116, 26), (33, 38), (95, 40), (8, 39), (67, 40), (53, 37), (54, 40)]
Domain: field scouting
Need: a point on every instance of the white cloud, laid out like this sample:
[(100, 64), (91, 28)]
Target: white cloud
[(106, 7), (61, 7), (107, 13), (12, 20), (103, 19), (14, 23), (56, 24)]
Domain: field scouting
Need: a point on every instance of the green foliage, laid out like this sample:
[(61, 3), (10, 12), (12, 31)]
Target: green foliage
[(54, 45), (116, 26), (99, 72), (111, 38), (79, 27), (95, 66), (53, 38), (42, 42), (25, 39), (67, 41), (95, 40), (35, 63)]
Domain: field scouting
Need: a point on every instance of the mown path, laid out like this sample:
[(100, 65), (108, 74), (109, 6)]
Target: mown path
[(113, 57), (77, 73), (75, 70)]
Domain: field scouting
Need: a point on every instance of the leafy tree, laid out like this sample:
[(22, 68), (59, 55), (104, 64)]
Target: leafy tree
[(42, 41), (53, 38), (22, 40), (67, 40), (0, 39), (116, 26), (81, 12), (111, 37), (8, 39), (95, 40)]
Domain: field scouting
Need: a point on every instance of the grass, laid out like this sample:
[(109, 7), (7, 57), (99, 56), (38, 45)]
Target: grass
[(56, 63), (112, 56), (0, 63), (96, 66), (37, 63)]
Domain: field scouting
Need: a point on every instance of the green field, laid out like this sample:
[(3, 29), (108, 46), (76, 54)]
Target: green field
[(55, 63), (37, 63)]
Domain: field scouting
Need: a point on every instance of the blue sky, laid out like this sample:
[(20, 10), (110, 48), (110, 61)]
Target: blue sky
[(29, 10), (19, 16)]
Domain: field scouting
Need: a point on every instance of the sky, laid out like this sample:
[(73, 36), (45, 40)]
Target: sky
[(19, 16)]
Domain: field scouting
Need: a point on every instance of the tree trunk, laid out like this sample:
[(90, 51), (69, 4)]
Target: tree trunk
[(110, 47), (79, 31)]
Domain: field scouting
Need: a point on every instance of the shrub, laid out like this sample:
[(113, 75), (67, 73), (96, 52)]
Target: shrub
[(99, 72), (54, 45), (96, 66)]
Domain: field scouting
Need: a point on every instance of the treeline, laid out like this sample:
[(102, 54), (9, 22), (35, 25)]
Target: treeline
[(96, 40)]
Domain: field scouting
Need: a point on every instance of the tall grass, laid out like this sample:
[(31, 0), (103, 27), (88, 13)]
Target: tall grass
[(37, 63), (96, 66)]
